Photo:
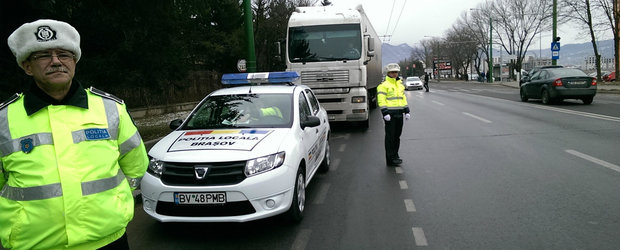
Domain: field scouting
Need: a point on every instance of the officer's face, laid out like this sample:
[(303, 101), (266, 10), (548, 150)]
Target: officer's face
[(51, 69), (393, 74)]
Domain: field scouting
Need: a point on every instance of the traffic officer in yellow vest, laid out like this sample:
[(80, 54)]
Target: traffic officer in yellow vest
[(393, 103), (70, 157)]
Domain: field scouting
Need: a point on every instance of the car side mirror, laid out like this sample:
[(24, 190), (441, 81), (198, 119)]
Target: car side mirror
[(312, 121), (176, 124)]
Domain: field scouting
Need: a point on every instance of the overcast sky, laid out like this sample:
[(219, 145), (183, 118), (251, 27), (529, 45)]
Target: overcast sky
[(432, 18)]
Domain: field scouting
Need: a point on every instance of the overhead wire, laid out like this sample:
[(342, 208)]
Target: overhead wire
[(387, 29), (399, 15)]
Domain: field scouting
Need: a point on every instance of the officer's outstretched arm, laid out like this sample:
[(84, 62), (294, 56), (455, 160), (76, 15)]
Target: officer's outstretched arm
[(133, 158)]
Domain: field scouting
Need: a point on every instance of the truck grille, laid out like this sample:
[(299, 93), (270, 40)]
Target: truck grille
[(218, 173), (332, 76)]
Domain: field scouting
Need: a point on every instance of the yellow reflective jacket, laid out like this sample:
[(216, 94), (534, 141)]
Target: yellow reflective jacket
[(67, 172), (391, 96)]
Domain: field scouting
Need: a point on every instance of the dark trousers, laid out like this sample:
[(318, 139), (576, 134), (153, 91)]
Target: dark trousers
[(121, 244), (426, 86), (393, 130)]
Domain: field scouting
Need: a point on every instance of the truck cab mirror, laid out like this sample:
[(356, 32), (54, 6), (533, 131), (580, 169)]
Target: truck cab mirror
[(370, 43)]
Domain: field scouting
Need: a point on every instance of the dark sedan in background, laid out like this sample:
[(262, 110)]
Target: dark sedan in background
[(556, 84)]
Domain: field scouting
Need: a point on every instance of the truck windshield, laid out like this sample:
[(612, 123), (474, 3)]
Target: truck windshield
[(334, 42)]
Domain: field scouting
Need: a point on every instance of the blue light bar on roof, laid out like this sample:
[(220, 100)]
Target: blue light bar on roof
[(258, 78)]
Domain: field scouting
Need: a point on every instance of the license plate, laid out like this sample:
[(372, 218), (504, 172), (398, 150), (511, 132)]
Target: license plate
[(577, 83), (199, 198), (331, 117)]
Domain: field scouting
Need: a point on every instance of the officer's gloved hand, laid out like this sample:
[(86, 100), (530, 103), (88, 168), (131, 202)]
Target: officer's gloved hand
[(407, 116), (387, 118)]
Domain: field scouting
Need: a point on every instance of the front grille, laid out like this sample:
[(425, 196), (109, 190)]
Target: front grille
[(332, 76), (227, 209), (330, 100), (334, 112), (218, 173)]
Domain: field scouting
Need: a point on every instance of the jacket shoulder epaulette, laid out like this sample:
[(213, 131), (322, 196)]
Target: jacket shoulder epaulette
[(12, 99), (105, 95)]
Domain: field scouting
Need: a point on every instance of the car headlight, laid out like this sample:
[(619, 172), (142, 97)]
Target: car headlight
[(263, 164), (156, 167)]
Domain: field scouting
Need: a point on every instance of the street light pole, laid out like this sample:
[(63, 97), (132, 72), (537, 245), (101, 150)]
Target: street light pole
[(490, 73), (555, 28), (249, 32)]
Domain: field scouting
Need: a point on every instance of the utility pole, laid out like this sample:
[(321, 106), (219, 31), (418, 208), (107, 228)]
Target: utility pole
[(555, 28), (249, 32)]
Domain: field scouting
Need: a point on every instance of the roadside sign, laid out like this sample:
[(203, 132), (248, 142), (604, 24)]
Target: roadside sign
[(555, 46), (242, 65), (555, 55)]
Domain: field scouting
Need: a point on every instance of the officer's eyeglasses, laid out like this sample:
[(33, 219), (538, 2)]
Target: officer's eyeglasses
[(63, 57)]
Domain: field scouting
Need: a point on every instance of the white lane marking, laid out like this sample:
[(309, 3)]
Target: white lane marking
[(477, 117), (403, 184), (334, 164), (594, 160), (399, 170), (439, 103), (418, 235), (566, 111), (302, 239), (342, 148), (320, 198), (409, 205)]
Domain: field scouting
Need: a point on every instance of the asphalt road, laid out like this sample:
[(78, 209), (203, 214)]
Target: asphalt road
[(481, 170)]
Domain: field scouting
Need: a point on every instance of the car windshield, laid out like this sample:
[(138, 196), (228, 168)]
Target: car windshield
[(564, 72), (413, 78), (242, 111)]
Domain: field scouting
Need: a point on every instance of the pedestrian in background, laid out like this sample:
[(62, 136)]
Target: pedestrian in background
[(393, 103), (426, 81), (70, 157)]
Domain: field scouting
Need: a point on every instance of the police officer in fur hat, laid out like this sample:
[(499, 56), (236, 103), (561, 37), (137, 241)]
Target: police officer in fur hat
[(392, 100), (70, 157)]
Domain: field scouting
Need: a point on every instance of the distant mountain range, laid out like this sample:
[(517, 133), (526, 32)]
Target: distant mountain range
[(570, 54)]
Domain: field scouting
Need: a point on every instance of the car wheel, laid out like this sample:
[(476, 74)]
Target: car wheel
[(324, 167), (546, 99), (296, 211), (587, 100), (523, 95)]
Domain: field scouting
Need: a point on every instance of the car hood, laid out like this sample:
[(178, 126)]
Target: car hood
[(218, 145)]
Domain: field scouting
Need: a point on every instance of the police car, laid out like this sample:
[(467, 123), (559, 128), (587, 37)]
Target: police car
[(244, 153)]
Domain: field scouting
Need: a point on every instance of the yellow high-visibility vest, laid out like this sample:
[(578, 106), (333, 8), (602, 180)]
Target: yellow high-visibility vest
[(67, 173), (391, 96)]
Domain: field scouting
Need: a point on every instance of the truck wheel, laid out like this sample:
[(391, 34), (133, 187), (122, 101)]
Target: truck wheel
[(365, 124), (372, 98)]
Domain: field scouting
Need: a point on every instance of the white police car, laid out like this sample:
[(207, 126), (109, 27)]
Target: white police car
[(244, 153)]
